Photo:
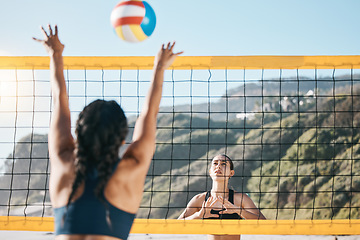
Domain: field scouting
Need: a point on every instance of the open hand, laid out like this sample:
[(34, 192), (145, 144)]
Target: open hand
[(166, 57), (51, 41)]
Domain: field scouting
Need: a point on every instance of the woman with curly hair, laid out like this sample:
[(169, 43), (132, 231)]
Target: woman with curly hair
[(94, 194)]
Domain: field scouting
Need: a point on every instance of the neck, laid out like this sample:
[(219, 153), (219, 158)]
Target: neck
[(219, 188)]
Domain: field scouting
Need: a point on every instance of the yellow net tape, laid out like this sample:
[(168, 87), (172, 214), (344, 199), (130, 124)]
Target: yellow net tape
[(196, 62), (232, 227)]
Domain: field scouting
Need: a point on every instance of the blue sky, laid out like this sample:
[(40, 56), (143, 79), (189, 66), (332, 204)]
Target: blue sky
[(237, 27)]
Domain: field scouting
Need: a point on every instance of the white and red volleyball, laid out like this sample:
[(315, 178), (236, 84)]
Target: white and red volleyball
[(133, 21)]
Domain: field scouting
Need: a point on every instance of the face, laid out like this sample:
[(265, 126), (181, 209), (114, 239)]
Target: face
[(220, 168)]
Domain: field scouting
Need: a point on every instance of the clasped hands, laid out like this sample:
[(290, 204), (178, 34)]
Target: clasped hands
[(224, 206)]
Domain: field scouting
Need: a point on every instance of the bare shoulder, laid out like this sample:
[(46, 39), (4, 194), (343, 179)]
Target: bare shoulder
[(128, 169), (193, 206), (200, 196), (240, 195), (62, 164), (198, 199), (62, 174), (125, 187), (136, 159), (242, 199)]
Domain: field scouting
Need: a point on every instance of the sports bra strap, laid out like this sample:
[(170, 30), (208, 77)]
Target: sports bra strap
[(231, 195)]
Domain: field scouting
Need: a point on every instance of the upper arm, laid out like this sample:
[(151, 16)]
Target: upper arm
[(61, 177), (248, 204), (145, 127), (192, 207), (143, 146), (60, 139)]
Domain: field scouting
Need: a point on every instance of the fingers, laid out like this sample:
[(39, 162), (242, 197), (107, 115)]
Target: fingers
[(165, 56), (178, 53), (38, 40), (44, 32), (210, 202), (172, 46), (225, 212), (168, 47), (203, 205), (210, 199), (225, 202), (50, 30)]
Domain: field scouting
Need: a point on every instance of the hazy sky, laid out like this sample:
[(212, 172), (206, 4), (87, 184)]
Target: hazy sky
[(236, 27)]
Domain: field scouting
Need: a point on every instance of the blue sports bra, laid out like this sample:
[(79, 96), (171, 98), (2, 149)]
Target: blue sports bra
[(87, 215)]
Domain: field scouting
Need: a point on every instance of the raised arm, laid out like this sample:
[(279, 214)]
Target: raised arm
[(143, 146), (60, 139)]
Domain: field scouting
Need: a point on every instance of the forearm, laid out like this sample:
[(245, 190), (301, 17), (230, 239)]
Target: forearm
[(145, 127), (146, 124), (61, 112), (58, 86), (152, 101), (196, 215), (250, 215), (60, 138)]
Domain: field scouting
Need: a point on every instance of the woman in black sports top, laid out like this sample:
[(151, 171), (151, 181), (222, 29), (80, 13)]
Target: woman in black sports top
[(221, 202)]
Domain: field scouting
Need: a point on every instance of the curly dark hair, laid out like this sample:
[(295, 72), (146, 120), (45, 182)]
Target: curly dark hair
[(100, 130)]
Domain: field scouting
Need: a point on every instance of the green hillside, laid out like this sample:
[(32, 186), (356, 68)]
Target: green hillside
[(26, 189), (300, 162), (276, 164)]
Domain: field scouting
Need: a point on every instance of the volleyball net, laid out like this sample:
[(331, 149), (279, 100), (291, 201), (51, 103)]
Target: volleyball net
[(290, 125)]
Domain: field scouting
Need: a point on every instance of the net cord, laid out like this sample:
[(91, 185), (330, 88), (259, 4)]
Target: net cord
[(333, 208)]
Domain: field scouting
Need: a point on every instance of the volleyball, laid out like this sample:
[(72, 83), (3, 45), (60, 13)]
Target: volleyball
[(133, 21)]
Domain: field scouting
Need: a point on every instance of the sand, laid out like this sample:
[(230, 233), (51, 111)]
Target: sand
[(20, 235)]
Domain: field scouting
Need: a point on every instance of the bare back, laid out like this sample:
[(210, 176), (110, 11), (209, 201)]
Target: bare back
[(123, 190)]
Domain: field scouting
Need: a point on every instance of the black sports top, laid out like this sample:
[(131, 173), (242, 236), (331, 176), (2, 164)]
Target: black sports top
[(223, 216)]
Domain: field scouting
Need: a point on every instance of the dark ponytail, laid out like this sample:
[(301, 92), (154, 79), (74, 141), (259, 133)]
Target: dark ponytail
[(100, 129)]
